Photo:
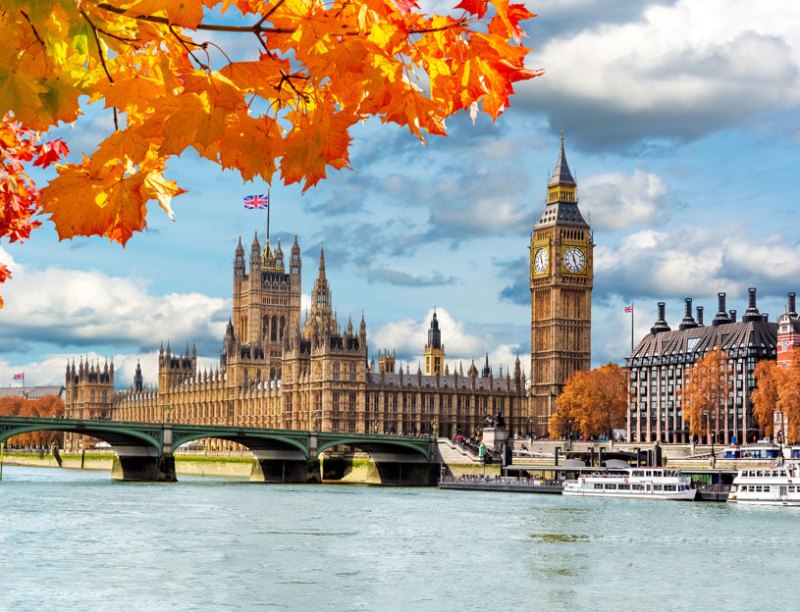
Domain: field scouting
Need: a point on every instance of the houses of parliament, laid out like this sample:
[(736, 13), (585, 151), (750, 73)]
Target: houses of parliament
[(278, 369)]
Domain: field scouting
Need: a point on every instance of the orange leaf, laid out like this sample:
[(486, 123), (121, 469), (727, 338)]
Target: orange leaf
[(106, 202)]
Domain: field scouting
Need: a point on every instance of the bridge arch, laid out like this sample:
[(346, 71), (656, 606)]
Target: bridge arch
[(250, 440), (111, 433), (370, 444)]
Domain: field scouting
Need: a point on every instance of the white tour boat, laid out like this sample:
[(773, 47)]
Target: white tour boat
[(775, 486), (641, 482)]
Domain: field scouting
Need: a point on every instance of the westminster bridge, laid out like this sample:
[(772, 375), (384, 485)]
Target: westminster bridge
[(145, 451)]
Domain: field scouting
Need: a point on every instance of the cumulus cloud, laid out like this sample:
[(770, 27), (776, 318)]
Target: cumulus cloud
[(617, 201), (676, 72), (695, 261), (78, 308), (408, 338), (51, 369)]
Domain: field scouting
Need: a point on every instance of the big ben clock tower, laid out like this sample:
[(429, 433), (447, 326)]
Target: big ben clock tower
[(561, 277)]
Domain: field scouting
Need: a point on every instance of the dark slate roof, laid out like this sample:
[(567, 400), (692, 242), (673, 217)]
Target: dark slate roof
[(561, 174), (32, 392), (563, 213), (733, 338)]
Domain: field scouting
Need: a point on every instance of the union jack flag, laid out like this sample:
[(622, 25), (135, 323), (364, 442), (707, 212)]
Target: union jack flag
[(256, 202), (20, 376), (628, 308)]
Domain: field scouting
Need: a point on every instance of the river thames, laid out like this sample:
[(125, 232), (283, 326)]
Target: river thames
[(74, 540)]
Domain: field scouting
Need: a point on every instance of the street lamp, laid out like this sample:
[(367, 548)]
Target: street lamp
[(569, 434)]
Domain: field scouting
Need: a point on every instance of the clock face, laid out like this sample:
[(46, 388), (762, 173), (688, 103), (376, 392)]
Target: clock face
[(540, 261), (574, 260)]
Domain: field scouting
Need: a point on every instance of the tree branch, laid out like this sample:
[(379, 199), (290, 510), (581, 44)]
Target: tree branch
[(102, 61), (258, 28)]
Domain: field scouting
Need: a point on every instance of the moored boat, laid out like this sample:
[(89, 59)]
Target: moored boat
[(775, 486), (640, 482)]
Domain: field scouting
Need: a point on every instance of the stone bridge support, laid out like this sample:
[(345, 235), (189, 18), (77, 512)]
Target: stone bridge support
[(284, 466), (138, 464), (135, 463), (406, 471)]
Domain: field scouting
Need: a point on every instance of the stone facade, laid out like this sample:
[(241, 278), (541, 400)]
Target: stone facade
[(561, 279), (276, 370), (659, 365)]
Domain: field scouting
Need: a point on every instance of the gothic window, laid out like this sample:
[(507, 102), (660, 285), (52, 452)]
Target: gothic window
[(274, 331), (265, 327), (336, 372), (283, 327), (352, 372), (335, 401), (352, 400)]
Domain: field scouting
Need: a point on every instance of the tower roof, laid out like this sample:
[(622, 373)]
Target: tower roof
[(562, 202), (562, 174)]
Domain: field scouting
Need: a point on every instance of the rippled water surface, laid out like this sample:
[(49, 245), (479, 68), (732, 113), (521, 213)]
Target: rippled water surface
[(76, 540)]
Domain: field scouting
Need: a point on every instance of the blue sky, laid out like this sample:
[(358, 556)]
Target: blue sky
[(682, 131)]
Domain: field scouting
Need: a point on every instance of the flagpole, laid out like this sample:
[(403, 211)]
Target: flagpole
[(268, 207), (632, 315)]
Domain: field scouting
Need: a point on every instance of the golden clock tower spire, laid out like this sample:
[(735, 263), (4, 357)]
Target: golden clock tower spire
[(561, 276)]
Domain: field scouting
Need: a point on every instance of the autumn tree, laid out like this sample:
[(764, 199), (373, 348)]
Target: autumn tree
[(286, 108), (47, 406), (592, 403), (765, 397), (706, 393), (789, 395)]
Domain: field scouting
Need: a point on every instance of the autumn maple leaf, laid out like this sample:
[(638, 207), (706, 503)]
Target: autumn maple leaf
[(321, 69)]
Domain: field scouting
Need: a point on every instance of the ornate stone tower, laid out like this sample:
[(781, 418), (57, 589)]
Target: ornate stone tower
[(266, 307), (434, 350), (561, 276)]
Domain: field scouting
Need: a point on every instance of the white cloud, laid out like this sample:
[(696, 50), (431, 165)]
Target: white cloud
[(679, 71), (616, 201), (409, 337), (696, 261), (51, 369), (71, 307)]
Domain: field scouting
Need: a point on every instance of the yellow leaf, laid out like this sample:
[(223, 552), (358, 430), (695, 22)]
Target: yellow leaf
[(163, 190)]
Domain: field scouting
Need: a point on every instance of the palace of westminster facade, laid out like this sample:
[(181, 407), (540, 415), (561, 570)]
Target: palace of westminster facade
[(279, 371)]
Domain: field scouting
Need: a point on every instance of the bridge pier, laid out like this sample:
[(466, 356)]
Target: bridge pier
[(284, 466), (144, 467), (408, 474)]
